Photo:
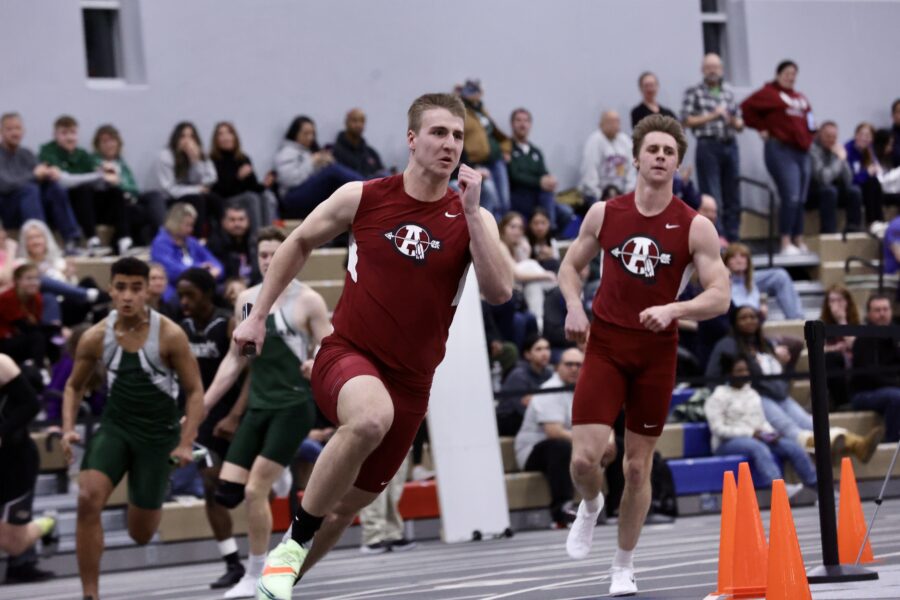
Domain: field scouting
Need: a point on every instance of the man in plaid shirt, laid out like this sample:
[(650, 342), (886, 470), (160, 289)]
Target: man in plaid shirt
[(713, 114)]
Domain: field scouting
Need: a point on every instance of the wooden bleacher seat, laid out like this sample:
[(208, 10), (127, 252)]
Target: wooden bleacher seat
[(52, 459), (187, 521)]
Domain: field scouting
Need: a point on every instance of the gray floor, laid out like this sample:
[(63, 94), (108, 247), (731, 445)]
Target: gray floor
[(674, 561)]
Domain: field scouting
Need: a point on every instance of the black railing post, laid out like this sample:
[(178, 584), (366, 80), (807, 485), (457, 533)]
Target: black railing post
[(831, 569), (771, 238)]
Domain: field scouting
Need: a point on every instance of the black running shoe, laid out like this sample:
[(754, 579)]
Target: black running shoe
[(402, 545), (27, 573), (232, 575), (376, 548)]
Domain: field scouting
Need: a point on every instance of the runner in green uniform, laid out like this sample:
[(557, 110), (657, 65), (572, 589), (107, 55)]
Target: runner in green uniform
[(147, 358), (280, 410)]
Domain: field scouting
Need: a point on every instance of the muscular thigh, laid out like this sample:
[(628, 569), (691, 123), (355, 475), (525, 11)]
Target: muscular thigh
[(286, 430), (601, 389), (650, 390), (148, 477)]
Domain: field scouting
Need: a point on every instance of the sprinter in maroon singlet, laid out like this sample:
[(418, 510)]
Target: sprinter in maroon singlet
[(413, 240), (651, 242)]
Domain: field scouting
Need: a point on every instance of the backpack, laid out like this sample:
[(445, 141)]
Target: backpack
[(662, 484)]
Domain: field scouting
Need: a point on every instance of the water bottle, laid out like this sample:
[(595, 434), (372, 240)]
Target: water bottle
[(496, 376)]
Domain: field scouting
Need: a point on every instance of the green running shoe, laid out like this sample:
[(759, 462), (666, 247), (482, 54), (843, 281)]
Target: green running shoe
[(281, 572)]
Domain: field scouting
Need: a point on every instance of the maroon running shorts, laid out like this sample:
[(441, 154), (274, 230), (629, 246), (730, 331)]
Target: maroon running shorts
[(337, 362), (634, 368)]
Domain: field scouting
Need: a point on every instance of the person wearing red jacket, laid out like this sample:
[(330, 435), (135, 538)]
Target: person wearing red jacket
[(784, 119), (21, 311)]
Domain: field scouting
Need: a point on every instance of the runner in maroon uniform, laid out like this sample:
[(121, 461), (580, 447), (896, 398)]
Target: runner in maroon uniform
[(413, 241), (651, 242)]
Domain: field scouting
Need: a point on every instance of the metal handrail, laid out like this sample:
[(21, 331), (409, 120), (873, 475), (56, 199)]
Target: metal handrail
[(875, 265), (770, 240)]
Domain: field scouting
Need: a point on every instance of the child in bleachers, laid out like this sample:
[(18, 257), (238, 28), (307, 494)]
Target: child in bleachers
[(739, 426)]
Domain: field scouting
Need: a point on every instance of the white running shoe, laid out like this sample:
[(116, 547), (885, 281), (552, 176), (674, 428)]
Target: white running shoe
[(581, 534), (245, 588), (621, 582)]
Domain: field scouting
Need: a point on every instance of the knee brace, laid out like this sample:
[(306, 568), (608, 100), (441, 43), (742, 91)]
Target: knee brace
[(229, 494)]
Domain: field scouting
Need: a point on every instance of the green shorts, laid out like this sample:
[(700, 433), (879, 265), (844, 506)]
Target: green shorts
[(114, 453), (274, 434)]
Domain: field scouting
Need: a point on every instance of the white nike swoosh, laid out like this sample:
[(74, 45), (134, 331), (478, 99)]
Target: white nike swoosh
[(649, 426), (447, 214), (668, 226)]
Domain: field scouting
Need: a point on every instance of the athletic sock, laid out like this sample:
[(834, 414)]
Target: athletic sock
[(229, 551), (624, 558), (592, 505), (255, 565), (305, 527)]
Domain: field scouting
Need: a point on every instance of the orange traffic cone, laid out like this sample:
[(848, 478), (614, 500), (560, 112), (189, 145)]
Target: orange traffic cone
[(786, 574), (726, 535), (851, 521), (750, 548)]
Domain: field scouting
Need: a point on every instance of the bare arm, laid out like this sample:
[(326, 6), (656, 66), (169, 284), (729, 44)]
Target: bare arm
[(556, 431), (715, 298), (231, 366), (492, 268), (582, 251), (178, 354), (332, 217), (87, 354), (316, 317)]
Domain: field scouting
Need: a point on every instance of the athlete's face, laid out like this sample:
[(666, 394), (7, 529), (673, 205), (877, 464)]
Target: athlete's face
[(438, 144), (539, 355), (193, 302), (658, 158), (265, 251), (129, 294), (747, 321)]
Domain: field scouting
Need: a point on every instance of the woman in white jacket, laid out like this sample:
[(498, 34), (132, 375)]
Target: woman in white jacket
[(735, 416), (186, 174)]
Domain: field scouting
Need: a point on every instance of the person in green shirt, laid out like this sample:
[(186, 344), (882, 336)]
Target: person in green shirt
[(280, 408), (148, 361), (78, 174), (114, 203)]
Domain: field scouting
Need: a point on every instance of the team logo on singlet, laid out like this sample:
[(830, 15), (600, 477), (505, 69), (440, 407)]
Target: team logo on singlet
[(640, 256), (413, 241)]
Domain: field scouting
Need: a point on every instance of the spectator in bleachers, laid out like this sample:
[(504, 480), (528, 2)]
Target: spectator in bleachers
[(234, 244), (21, 314), (351, 149), (533, 279), (895, 130), (186, 174), (784, 119), (58, 278), (177, 250), (710, 209), (683, 188), (839, 308), (607, 161), (747, 283), (31, 190), (866, 167), (531, 185), (8, 250), (832, 182), (878, 391), (236, 181), (79, 175), (544, 247), (544, 441), (888, 176), (738, 425), (648, 84), (118, 191), (380, 522), (529, 374), (783, 412), (156, 289), (232, 289), (487, 149), (712, 112), (19, 464), (51, 396), (307, 174), (501, 352), (142, 213)]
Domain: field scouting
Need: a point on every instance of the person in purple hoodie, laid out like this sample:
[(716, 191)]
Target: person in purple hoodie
[(177, 250), (865, 167)]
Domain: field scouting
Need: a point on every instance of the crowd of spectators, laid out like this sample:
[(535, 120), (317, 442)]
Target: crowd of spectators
[(206, 204)]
